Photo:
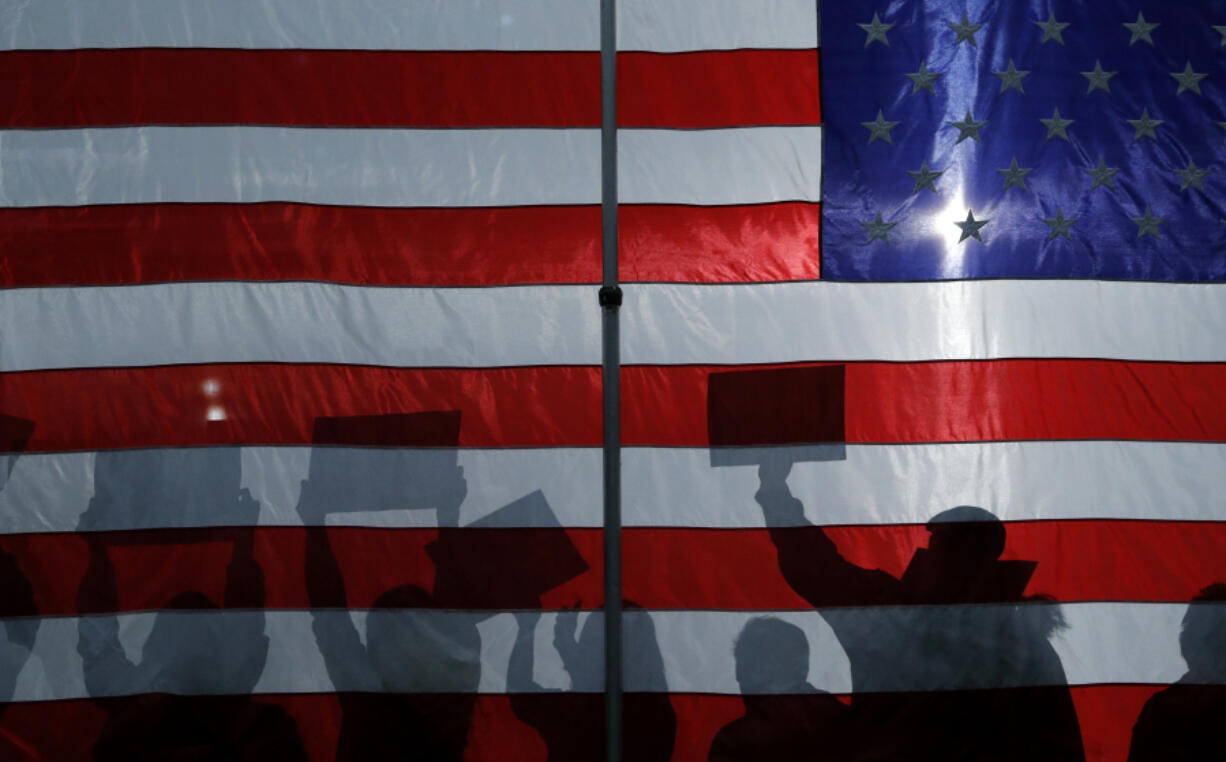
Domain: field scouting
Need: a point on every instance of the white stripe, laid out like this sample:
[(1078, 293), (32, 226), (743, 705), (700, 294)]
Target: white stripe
[(309, 322), (785, 322), (1104, 643), (297, 322), (735, 166), (678, 25), (662, 25), (357, 167), (327, 24), (908, 484), (403, 168), (662, 487)]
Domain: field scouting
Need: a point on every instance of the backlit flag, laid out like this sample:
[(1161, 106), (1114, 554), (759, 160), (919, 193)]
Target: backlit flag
[(299, 349)]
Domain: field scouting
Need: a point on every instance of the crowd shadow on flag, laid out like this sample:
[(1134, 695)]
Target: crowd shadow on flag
[(409, 688), (950, 660), (187, 696), (571, 723), (1184, 722)]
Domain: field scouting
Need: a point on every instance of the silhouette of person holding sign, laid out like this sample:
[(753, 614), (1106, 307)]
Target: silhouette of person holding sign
[(186, 698), (949, 660), (408, 691), (956, 619)]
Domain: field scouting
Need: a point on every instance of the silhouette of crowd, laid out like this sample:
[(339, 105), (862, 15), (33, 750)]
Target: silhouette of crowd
[(949, 660)]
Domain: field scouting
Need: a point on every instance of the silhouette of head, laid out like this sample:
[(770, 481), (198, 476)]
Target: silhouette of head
[(772, 656), (966, 536), (1202, 639), (415, 649), (191, 649)]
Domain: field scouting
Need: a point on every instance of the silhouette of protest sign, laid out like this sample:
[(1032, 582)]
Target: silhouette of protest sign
[(798, 408), (506, 560), (385, 462), (168, 488)]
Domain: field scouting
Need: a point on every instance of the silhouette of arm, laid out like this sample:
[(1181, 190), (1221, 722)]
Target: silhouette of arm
[(244, 576), (575, 654), (520, 682), (344, 655), (245, 591), (106, 667), (521, 665), (808, 558)]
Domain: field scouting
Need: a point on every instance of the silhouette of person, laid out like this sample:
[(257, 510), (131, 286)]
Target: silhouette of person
[(409, 691), (1185, 721), (933, 679), (20, 613), (17, 604), (187, 698), (785, 717), (572, 723)]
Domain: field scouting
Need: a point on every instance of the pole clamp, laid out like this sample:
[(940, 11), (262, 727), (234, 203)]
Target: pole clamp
[(610, 296)]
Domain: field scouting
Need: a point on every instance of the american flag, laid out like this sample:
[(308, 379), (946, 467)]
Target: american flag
[(265, 264)]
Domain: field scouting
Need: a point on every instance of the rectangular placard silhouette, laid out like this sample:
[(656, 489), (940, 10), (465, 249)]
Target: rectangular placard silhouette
[(385, 462), (175, 487), (508, 559), (797, 408)]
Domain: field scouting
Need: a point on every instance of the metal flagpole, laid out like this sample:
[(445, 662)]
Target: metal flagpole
[(610, 301)]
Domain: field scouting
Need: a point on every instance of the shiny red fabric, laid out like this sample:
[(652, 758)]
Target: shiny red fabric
[(154, 243), (965, 401)]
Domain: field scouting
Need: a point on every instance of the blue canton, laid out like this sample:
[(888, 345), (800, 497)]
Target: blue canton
[(1082, 139)]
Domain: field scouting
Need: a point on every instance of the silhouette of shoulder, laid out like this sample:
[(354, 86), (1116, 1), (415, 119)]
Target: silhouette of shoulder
[(222, 728), (1180, 724), (797, 727)]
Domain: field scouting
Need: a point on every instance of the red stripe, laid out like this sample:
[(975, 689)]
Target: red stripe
[(718, 88), (965, 401), (333, 88), (706, 569), (278, 404), (720, 244), (1106, 714), (149, 243), (95, 409)]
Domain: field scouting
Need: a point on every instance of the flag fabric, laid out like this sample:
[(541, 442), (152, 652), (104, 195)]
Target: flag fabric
[(299, 364)]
